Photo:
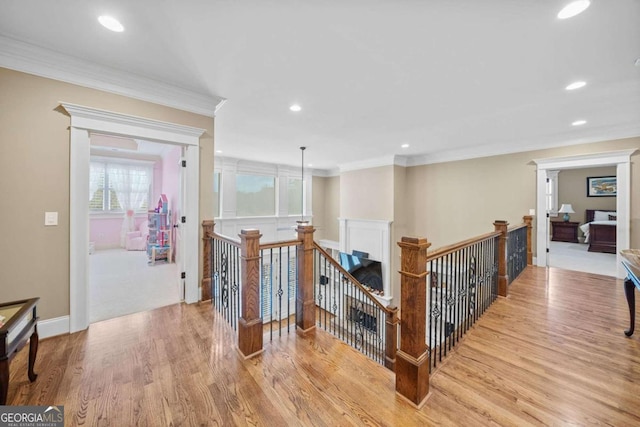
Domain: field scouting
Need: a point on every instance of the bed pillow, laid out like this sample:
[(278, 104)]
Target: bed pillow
[(602, 215)]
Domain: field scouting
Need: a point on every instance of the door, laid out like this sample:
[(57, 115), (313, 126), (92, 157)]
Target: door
[(177, 226), (550, 194)]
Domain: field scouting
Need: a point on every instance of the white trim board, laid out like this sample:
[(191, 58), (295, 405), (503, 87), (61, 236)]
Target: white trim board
[(85, 120), (52, 327), (622, 160)]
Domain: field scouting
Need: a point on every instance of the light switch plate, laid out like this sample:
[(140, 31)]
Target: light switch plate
[(51, 218), (532, 212)]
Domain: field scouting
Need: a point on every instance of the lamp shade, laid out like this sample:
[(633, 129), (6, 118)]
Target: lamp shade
[(566, 208)]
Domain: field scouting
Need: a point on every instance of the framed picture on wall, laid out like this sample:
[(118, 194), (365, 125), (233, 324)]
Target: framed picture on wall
[(602, 186)]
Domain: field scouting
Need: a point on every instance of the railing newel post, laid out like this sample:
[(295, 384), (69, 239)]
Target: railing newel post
[(391, 338), (412, 359), (503, 278), (207, 236), (305, 305), (250, 323), (528, 219)]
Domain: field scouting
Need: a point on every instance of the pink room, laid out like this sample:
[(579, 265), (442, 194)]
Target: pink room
[(133, 207)]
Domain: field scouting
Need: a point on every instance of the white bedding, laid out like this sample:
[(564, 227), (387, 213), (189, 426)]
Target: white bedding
[(585, 227)]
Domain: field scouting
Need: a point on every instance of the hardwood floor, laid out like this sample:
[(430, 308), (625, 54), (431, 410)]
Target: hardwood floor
[(552, 353)]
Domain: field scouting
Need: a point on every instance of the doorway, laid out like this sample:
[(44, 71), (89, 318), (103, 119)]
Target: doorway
[(570, 247), (128, 179), (622, 161), (85, 120)]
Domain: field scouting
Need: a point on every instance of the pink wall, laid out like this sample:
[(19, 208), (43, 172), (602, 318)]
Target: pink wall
[(105, 232), (171, 178), (171, 183)]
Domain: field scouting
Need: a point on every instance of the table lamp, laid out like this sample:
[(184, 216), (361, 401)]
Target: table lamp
[(566, 209)]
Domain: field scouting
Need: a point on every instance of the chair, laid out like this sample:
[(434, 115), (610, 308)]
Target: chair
[(137, 240)]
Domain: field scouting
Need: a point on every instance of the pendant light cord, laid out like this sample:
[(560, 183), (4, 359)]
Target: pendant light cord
[(302, 185)]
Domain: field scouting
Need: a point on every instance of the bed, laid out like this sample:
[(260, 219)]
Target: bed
[(600, 230)]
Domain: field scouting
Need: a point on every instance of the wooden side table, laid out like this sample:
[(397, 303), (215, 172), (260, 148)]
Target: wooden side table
[(564, 231), (19, 324)]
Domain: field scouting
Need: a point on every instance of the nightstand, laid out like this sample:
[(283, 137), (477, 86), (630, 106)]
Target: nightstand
[(564, 231)]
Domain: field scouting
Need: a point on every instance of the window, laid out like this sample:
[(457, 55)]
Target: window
[(118, 186), (216, 194), (255, 195), (294, 194)]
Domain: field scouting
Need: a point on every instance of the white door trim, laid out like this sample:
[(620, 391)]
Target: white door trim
[(622, 161), (85, 120)]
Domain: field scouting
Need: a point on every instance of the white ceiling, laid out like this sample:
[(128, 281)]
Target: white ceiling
[(454, 79)]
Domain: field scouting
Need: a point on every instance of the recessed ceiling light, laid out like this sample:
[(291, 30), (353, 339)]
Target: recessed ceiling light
[(573, 8), (637, 63), (111, 23), (575, 85), (218, 151), (295, 107), (578, 123), (405, 146), (310, 164)]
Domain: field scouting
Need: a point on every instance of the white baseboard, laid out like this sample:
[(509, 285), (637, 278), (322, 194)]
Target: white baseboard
[(52, 327)]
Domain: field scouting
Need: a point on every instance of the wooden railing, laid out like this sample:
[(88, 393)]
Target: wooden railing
[(519, 248), (349, 311), (464, 279), (253, 285), (443, 293), (222, 280)]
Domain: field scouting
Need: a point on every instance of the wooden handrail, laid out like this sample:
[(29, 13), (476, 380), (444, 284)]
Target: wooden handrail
[(282, 244), (446, 250), (348, 275), (225, 239), (517, 227)]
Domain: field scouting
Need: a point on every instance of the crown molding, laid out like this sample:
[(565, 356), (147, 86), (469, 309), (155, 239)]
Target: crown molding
[(374, 163), (599, 135), (326, 173), (31, 59)]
